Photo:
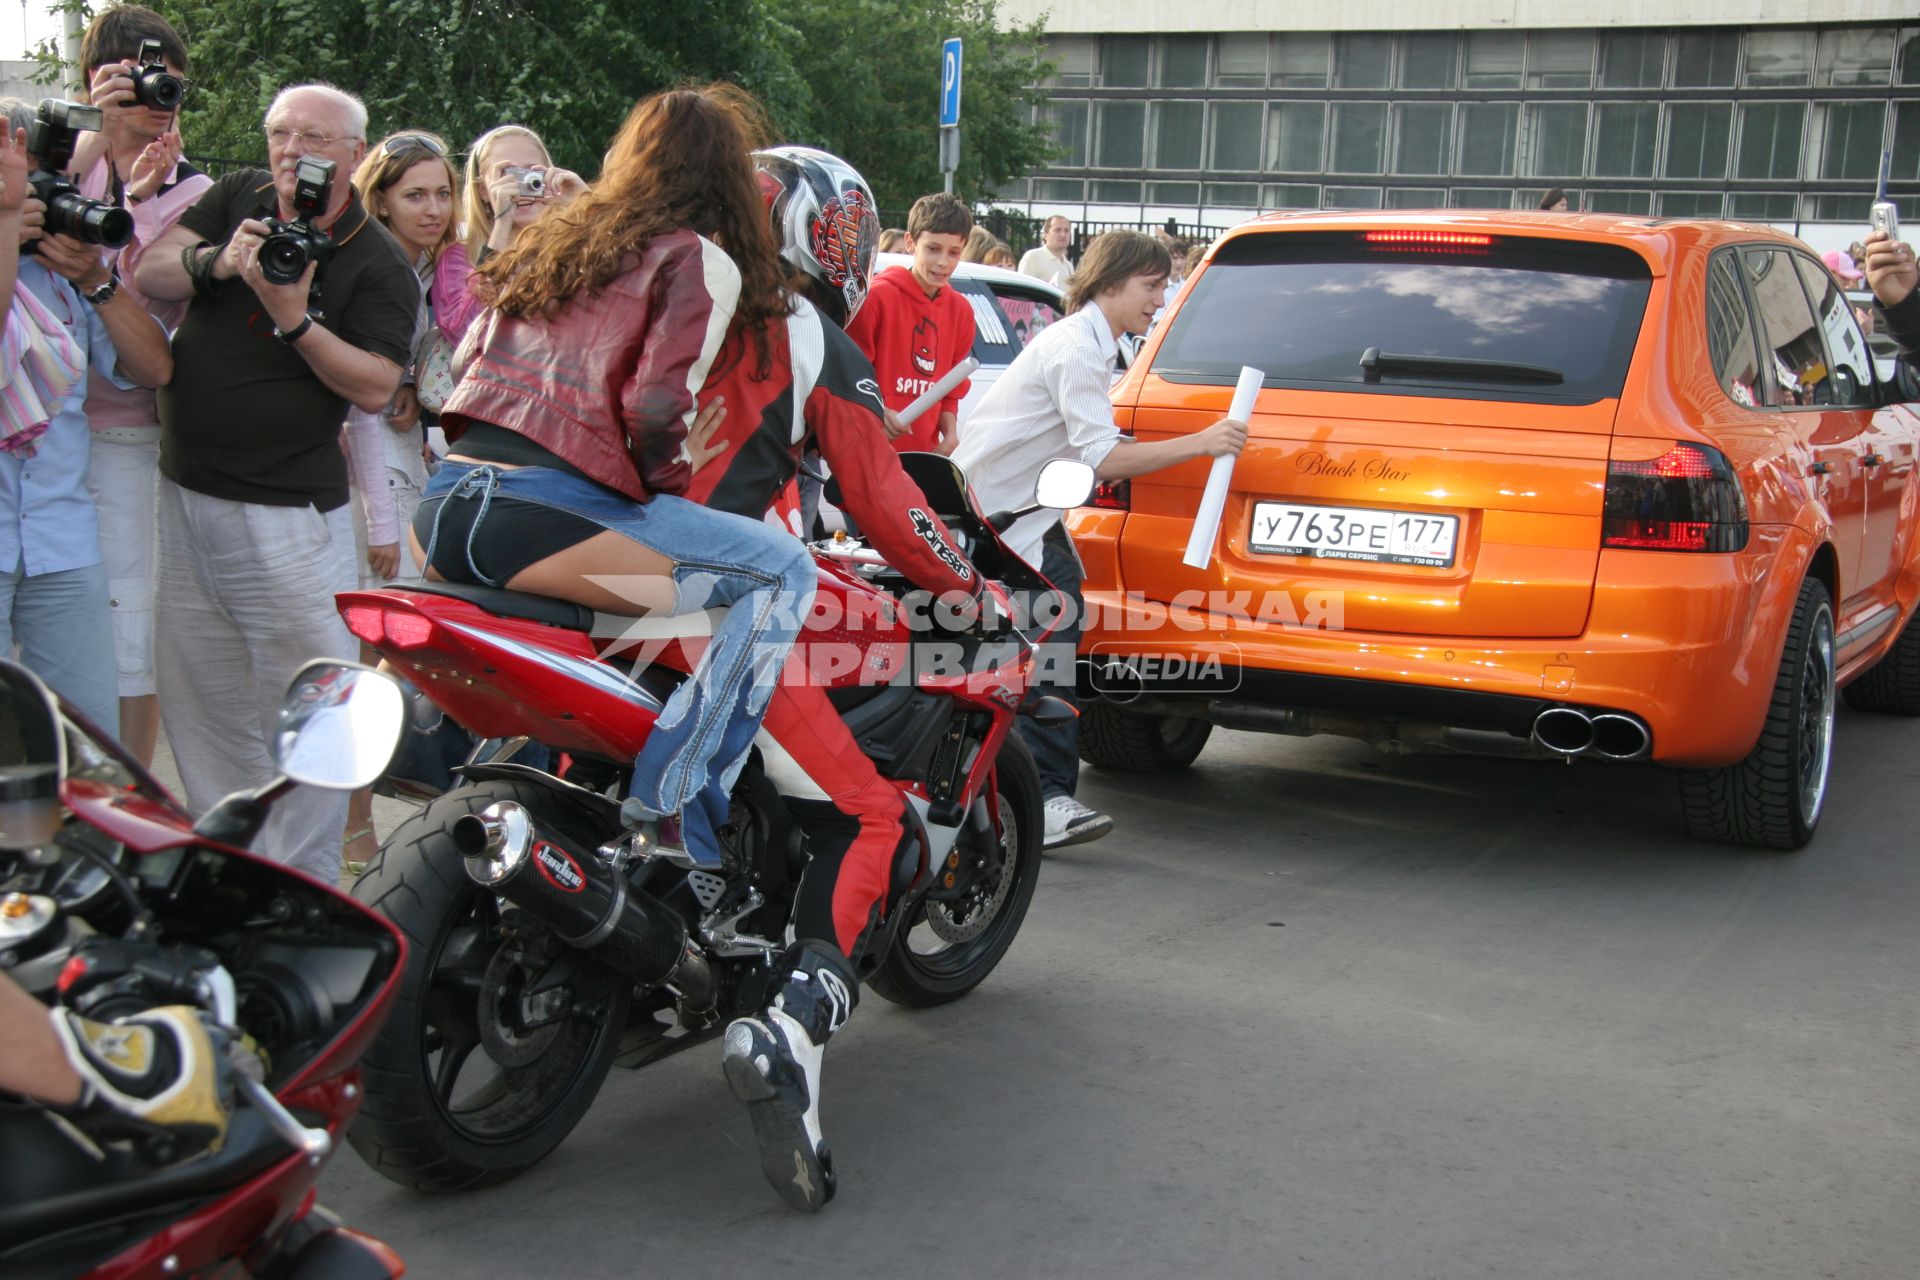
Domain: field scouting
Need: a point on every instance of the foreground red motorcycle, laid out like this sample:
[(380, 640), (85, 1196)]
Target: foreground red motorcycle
[(549, 945), (116, 902)]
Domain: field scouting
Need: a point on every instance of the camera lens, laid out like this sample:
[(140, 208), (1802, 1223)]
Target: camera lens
[(71, 214), (160, 90), (283, 257)]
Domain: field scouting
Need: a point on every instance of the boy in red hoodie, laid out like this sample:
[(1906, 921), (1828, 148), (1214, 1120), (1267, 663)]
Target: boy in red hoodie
[(915, 326)]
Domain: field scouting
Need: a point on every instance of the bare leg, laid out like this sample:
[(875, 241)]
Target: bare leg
[(631, 579)]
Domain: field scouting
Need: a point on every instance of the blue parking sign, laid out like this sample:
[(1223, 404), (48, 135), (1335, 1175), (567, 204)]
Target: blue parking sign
[(950, 83)]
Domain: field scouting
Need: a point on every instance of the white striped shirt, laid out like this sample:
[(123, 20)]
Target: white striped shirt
[(1050, 403)]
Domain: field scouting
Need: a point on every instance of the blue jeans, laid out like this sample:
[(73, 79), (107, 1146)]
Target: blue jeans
[(763, 576), (64, 627)]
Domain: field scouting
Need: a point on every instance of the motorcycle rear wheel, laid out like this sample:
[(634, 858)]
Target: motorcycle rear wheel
[(441, 1112), (920, 972)]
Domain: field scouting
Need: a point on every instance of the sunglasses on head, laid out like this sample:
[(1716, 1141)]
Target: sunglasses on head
[(400, 140)]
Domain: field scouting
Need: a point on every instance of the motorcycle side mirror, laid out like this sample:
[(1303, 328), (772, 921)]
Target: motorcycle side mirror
[(1063, 483), (339, 725)]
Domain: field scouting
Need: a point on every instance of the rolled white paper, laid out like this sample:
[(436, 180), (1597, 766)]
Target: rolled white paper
[(1213, 499), (938, 391)]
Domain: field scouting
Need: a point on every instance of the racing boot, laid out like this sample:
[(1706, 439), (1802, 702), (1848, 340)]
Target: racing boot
[(773, 1064)]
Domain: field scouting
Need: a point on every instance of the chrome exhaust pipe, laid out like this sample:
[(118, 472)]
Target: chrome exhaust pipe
[(1565, 731), (1620, 737)]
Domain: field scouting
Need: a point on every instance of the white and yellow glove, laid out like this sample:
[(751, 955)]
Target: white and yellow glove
[(158, 1068)]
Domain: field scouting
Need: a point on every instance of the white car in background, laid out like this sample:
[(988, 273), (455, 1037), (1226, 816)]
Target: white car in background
[(1008, 310)]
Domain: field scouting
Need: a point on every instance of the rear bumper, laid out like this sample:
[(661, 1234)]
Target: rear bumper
[(1688, 643)]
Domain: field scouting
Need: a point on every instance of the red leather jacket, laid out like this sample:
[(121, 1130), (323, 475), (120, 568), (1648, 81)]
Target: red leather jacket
[(608, 381)]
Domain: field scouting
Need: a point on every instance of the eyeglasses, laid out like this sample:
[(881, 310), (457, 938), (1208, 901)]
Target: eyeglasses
[(399, 140), (280, 136)]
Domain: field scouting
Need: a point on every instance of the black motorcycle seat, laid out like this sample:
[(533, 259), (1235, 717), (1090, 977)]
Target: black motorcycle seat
[(513, 604)]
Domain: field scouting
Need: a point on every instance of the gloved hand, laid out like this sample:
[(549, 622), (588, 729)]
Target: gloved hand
[(160, 1070)]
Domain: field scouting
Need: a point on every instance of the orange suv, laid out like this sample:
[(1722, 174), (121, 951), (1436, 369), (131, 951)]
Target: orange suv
[(1518, 483)]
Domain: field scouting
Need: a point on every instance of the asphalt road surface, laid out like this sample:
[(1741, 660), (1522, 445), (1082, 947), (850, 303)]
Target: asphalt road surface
[(1311, 1011)]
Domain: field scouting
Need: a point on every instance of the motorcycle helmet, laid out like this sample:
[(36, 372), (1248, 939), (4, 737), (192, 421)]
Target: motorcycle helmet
[(823, 216)]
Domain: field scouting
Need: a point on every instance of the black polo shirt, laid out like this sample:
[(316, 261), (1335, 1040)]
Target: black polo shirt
[(245, 417)]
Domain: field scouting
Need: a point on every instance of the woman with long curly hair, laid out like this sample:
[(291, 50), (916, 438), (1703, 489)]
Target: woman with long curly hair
[(569, 433)]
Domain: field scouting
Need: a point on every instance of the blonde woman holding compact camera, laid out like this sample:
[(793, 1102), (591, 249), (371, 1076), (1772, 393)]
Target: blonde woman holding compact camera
[(510, 184)]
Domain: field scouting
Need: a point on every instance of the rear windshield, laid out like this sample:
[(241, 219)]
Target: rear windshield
[(1532, 320)]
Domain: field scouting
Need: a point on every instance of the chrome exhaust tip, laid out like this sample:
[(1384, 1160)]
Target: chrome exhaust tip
[(1620, 737), (1564, 731), (494, 842)]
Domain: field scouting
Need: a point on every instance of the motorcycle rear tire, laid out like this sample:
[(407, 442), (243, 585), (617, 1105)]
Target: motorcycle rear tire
[(911, 978), (419, 883)]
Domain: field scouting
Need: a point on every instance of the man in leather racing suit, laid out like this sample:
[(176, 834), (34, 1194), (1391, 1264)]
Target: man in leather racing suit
[(784, 387)]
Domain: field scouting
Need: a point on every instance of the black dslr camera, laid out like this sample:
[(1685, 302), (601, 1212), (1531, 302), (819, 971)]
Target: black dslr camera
[(153, 85), (292, 243), (56, 129)]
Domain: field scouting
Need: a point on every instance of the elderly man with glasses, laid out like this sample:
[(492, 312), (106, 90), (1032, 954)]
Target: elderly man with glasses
[(254, 533)]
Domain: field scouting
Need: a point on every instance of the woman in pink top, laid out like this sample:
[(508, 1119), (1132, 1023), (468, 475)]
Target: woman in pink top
[(498, 207)]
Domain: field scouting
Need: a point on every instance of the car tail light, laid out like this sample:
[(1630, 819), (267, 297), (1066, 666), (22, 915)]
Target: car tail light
[(400, 628), (1114, 495), (1429, 240), (1686, 499)]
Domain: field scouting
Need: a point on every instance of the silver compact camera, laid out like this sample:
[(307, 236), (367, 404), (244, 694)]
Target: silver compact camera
[(533, 183)]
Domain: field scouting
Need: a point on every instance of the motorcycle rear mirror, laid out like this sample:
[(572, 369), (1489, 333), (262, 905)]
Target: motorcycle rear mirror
[(339, 725), (1064, 483)]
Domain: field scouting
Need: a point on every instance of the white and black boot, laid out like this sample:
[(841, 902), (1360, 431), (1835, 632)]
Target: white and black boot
[(773, 1064)]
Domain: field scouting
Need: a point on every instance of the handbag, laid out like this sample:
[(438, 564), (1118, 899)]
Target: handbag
[(433, 379)]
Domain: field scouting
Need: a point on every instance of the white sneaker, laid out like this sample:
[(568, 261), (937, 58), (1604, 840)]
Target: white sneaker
[(1070, 822)]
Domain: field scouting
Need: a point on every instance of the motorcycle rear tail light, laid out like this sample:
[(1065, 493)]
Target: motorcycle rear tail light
[(407, 630), (364, 620), (1686, 499)]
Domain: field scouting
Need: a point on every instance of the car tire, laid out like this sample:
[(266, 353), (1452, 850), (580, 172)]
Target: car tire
[(1891, 685), (1113, 737), (1774, 797)]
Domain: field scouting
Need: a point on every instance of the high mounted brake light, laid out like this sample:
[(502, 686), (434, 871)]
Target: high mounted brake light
[(1428, 239), (1686, 499)]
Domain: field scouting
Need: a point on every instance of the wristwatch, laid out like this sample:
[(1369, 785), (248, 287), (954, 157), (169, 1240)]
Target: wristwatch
[(299, 331), (101, 296)]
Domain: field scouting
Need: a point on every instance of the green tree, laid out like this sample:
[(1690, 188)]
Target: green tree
[(873, 70)]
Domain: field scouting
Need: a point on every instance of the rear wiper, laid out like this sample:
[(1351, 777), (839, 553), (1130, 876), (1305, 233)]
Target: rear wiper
[(1374, 361)]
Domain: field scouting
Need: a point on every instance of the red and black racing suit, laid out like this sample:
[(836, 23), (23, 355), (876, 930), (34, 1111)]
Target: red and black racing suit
[(821, 388)]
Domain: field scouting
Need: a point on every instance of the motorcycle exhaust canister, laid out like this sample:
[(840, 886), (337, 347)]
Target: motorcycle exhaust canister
[(588, 903)]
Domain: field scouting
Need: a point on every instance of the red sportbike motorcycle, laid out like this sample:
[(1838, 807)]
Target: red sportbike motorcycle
[(550, 945), (116, 902)]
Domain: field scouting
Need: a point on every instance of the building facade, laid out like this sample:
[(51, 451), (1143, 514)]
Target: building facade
[(1488, 107)]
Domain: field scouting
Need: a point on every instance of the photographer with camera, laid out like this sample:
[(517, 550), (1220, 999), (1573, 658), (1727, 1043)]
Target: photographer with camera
[(299, 305), (135, 64), (68, 314), (510, 184)]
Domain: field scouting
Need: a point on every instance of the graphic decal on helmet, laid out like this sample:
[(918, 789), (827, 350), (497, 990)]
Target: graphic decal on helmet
[(837, 235)]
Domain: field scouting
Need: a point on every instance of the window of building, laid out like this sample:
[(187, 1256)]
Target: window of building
[(1697, 135), (1829, 207), (1236, 135), (1851, 56), (1906, 142), (1013, 189), (1177, 127), (1731, 340), (1429, 60), (1240, 61), (1294, 133), (1487, 132), (1181, 63), (1350, 198), (1560, 60), (1494, 59), (1123, 61), (1770, 136), (1115, 191), (1423, 137), (1068, 119), (1362, 61), (1069, 189), (1623, 139), (1359, 137), (1556, 140), (1233, 195), (1119, 130), (1705, 59), (1530, 198), (1289, 196), (1173, 193), (1632, 59), (1763, 206), (1480, 198), (1778, 59), (1637, 202), (1688, 204), (1848, 137), (1300, 60), (1416, 197), (1909, 72), (1074, 57)]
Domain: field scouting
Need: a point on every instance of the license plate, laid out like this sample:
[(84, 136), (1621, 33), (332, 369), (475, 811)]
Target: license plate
[(1354, 533)]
